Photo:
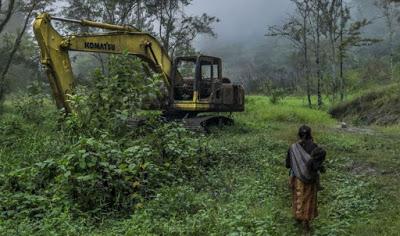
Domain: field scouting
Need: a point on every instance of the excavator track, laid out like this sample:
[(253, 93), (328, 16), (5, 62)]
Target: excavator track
[(203, 123)]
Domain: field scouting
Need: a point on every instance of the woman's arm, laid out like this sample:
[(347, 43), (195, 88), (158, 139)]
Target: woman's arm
[(288, 159)]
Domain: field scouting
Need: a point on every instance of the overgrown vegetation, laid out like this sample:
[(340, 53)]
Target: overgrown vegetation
[(92, 165), (377, 106), (111, 168), (160, 178)]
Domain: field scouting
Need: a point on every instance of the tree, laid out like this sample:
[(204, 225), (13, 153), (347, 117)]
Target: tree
[(316, 25), (391, 14), (119, 12), (304, 9), (350, 36), (342, 35), (323, 27), (331, 18), (296, 30), (176, 29), (5, 14), (26, 8), (344, 17)]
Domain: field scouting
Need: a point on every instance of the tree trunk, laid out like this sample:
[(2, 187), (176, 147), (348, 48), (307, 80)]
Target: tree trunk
[(140, 15), (8, 15), (318, 61), (333, 64), (391, 55), (389, 22), (161, 21), (306, 66), (99, 57), (341, 58), (342, 82), (13, 51), (332, 42)]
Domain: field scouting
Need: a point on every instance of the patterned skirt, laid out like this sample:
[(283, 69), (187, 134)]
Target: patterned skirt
[(304, 200)]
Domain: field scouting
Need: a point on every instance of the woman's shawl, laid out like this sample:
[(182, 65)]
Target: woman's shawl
[(298, 162)]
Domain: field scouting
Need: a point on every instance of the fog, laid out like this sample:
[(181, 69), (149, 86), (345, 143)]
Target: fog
[(241, 21), (241, 40)]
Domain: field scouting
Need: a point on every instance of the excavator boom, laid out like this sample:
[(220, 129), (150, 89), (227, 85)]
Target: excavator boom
[(54, 50), (204, 91)]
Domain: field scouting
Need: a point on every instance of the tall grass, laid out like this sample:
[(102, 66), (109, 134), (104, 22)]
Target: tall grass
[(246, 193), (290, 110)]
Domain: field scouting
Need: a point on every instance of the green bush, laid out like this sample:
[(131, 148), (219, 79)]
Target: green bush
[(114, 98), (31, 106), (277, 95), (104, 175), (103, 167)]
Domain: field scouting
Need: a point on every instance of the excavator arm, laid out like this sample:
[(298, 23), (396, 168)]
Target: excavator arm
[(55, 49), (203, 93)]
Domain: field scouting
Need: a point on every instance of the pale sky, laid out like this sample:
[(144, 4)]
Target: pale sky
[(243, 20)]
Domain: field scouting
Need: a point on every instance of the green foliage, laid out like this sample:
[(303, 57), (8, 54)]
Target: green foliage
[(31, 106), (115, 97), (160, 178), (375, 70), (100, 177), (377, 106), (289, 110), (19, 63), (101, 167), (26, 192), (277, 95), (177, 30), (342, 142), (10, 130), (105, 175)]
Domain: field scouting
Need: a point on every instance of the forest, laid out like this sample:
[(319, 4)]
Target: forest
[(105, 107)]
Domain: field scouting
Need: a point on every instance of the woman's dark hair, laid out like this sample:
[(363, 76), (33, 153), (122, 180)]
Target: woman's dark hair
[(305, 133)]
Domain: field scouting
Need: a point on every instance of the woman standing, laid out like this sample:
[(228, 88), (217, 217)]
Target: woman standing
[(303, 182)]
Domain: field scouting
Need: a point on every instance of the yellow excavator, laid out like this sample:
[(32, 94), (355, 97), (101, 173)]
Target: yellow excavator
[(204, 91)]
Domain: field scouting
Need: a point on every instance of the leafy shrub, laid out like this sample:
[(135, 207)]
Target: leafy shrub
[(10, 130), (105, 167), (98, 175), (102, 175), (31, 106), (26, 192), (115, 97), (277, 95)]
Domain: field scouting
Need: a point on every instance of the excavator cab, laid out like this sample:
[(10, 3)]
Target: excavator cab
[(199, 74), (202, 84)]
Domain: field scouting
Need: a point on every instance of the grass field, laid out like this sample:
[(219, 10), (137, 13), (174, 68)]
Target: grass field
[(246, 194)]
